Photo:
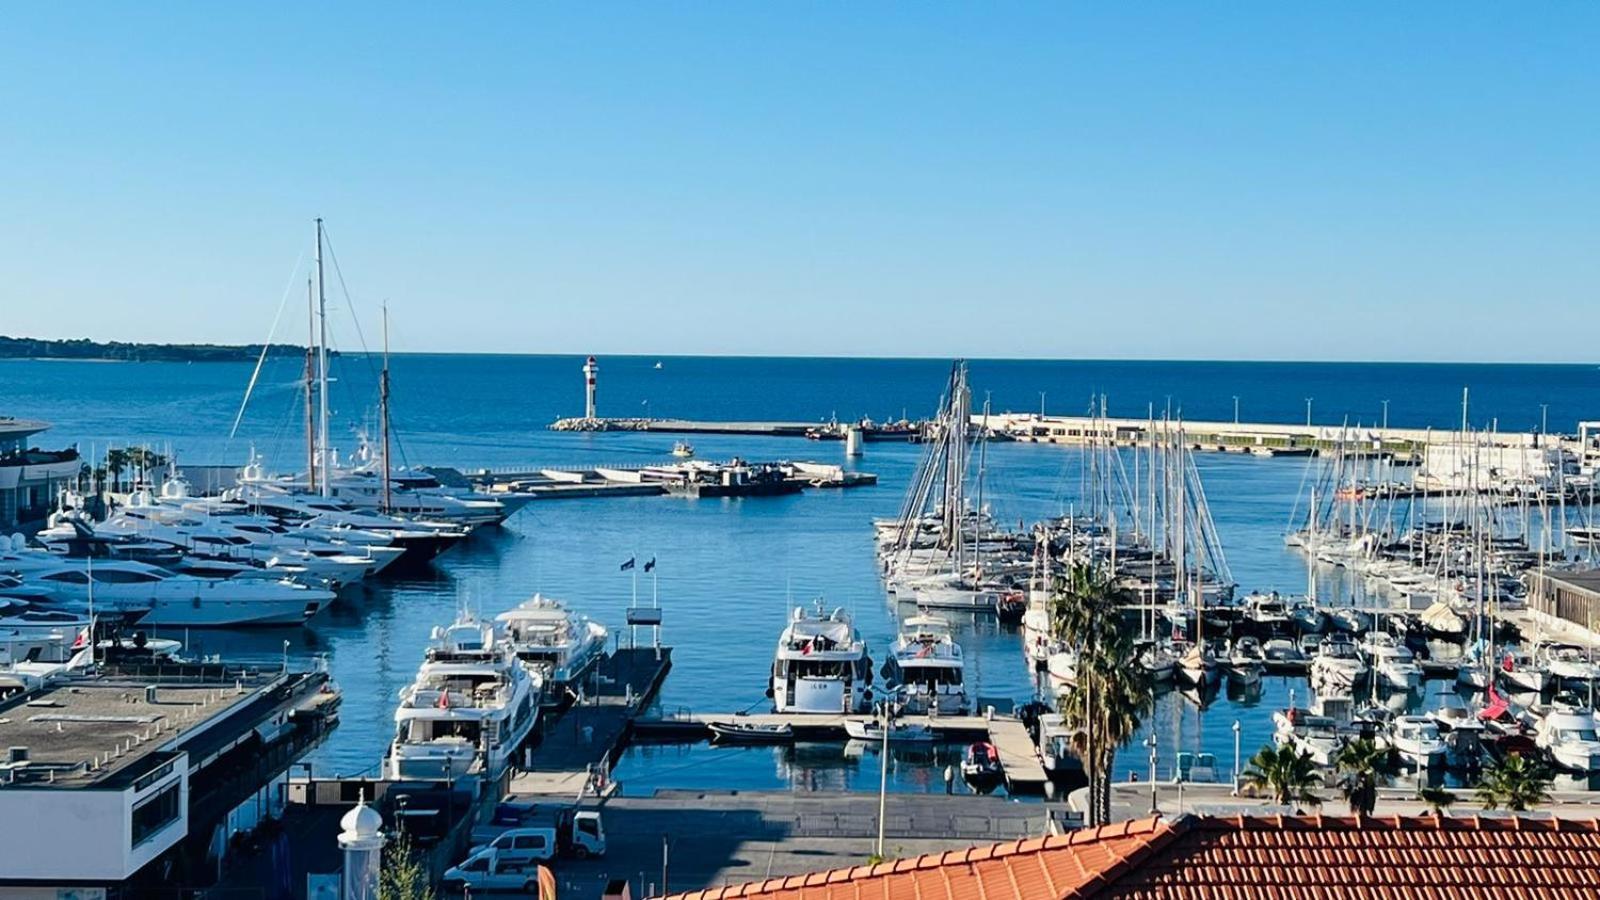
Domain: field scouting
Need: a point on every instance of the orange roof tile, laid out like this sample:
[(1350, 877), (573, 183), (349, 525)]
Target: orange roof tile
[(1236, 858)]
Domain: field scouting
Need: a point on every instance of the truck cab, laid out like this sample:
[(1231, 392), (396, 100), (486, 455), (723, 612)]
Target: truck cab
[(539, 836)]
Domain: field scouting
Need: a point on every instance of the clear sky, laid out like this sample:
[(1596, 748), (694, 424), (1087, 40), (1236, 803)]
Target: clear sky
[(1185, 180)]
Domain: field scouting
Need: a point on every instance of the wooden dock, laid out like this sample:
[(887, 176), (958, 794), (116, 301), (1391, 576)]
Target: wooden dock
[(1018, 757)]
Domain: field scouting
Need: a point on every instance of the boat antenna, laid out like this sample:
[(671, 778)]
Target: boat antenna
[(383, 407), (322, 370)]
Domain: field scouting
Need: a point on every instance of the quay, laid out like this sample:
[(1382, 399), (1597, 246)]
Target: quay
[(686, 426), (720, 837), (692, 478), (1023, 772), (1269, 439)]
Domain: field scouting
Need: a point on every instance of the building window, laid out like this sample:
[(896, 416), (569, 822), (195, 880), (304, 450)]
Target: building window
[(156, 813)]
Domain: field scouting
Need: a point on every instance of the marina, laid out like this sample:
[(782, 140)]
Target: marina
[(917, 654)]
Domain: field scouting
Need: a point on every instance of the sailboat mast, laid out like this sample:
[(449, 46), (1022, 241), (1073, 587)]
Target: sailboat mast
[(322, 373), (383, 407), (311, 384)]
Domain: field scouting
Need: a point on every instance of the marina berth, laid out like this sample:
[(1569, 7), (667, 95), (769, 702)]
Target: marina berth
[(925, 669), (470, 709), (821, 664)]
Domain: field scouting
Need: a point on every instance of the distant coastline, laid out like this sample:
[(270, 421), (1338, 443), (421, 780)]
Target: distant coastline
[(86, 350)]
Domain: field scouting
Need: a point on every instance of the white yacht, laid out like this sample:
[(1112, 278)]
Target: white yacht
[(1523, 672), (1568, 734), (149, 595), (1197, 666), (412, 494), (469, 710), (1158, 661), (926, 669), (544, 634), (1338, 666), (1417, 740), (28, 633), (1246, 662), (1393, 661), (1567, 663), (821, 665), (1061, 667), (1055, 746), (1310, 734)]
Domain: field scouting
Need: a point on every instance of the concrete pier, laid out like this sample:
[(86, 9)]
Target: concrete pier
[(577, 748), (1023, 773)]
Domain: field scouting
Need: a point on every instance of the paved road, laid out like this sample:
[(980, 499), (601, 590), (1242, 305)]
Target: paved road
[(730, 837)]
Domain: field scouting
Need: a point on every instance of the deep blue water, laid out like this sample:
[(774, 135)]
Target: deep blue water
[(729, 569)]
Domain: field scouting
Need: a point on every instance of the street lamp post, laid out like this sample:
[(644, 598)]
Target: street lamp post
[(1151, 743), (883, 777), (1235, 757)]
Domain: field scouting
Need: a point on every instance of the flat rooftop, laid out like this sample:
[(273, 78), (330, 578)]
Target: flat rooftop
[(1584, 581), (106, 730), (13, 427)]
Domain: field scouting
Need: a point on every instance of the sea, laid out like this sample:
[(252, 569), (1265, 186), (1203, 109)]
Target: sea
[(728, 571)]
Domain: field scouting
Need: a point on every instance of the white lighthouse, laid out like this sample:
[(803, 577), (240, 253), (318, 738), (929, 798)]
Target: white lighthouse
[(590, 369)]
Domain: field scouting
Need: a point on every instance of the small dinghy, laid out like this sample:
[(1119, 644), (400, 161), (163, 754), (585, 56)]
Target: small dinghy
[(981, 766), (872, 730), (750, 733)]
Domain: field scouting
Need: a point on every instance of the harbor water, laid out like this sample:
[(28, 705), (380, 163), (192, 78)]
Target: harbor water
[(729, 571)]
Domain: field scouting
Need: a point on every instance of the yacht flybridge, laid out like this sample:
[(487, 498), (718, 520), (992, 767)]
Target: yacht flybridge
[(557, 642), (925, 668), (469, 710), (821, 665)]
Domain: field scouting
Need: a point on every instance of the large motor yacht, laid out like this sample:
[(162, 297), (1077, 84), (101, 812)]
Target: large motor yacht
[(926, 669), (545, 635), (821, 665), (470, 709), (148, 595)]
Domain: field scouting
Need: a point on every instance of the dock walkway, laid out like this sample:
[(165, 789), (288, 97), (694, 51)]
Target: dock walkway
[(585, 740), (1024, 774)]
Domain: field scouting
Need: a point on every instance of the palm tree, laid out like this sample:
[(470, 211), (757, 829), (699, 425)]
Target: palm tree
[(1438, 799), (1515, 783), (1284, 773), (1362, 764), (116, 463), (1106, 704)]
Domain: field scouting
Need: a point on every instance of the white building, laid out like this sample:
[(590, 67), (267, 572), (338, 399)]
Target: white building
[(1520, 469), (29, 478), (105, 779)]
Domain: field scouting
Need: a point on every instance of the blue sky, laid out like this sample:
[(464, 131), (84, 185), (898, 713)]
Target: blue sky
[(1240, 180)]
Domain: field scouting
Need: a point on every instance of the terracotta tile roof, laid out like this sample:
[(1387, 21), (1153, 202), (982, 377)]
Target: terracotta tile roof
[(1236, 858)]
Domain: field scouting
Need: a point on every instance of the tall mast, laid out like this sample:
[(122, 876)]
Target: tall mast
[(311, 384), (322, 373), (383, 406)]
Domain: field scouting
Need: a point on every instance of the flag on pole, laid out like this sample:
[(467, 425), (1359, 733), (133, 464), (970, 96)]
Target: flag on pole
[(444, 699), (82, 640), (627, 565), (547, 884), (650, 565)]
